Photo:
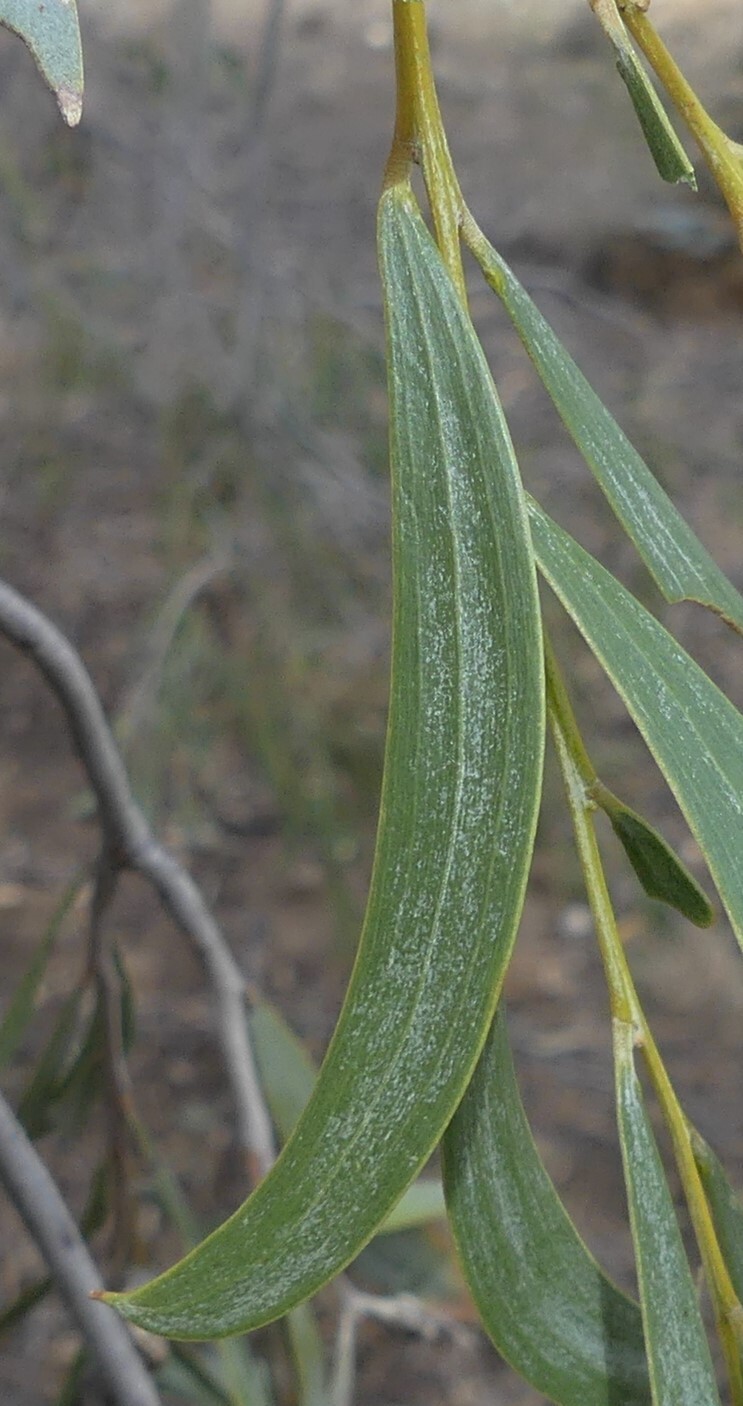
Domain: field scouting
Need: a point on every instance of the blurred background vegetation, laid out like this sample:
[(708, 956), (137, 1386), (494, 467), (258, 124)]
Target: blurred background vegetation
[(194, 486)]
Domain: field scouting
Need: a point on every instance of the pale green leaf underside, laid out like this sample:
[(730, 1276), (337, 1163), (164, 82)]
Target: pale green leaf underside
[(692, 729), (545, 1302), (681, 567), (678, 1352), (458, 813), (52, 33)]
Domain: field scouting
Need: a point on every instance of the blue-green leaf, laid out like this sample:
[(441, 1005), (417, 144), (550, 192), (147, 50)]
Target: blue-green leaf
[(692, 729), (671, 161), (458, 812), (52, 33), (681, 567), (680, 1364), (669, 156), (549, 1308)]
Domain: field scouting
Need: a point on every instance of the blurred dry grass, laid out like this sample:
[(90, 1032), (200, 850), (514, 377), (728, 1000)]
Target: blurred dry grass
[(194, 485)]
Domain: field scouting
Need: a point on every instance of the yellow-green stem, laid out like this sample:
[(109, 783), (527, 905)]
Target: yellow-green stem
[(722, 155), (558, 695), (571, 754), (419, 134), (626, 1008)]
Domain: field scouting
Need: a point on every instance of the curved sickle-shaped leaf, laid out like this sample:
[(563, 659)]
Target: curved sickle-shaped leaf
[(52, 33), (658, 868), (693, 731), (545, 1302), (681, 567), (458, 812), (678, 1352)]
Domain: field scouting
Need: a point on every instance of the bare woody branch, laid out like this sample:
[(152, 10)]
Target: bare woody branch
[(35, 1194), (132, 845)]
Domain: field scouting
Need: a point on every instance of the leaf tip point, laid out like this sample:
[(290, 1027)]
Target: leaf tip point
[(70, 101)]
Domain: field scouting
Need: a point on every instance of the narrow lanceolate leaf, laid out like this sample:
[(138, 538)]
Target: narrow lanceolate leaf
[(660, 871), (681, 567), (458, 811), (678, 1352), (671, 161), (693, 731), (52, 33), (546, 1304), (726, 1207)]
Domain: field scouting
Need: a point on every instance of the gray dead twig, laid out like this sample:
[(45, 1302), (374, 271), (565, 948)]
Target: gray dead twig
[(132, 845), (35, 1195)]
